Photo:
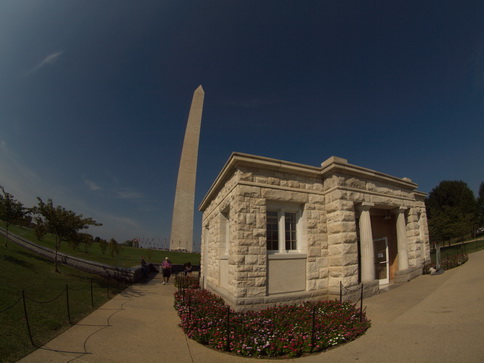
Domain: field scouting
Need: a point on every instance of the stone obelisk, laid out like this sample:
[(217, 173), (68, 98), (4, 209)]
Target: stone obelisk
[(184, 206)]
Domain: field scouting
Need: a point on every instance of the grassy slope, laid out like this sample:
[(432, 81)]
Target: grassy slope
[(23, 270), (127, 257)]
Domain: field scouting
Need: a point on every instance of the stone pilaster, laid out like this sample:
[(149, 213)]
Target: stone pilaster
[(366, 244), (342, 248), (414, 243), (424, 235), (402, 239)]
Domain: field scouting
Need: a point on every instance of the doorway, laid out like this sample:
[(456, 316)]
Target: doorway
[(382, 270)]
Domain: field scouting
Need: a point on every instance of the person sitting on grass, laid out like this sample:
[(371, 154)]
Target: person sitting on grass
[(166, 269)]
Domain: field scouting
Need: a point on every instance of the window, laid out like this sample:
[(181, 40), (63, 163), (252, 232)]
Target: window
[(290, 228), (272, 231), (224, 233), (282, 232)]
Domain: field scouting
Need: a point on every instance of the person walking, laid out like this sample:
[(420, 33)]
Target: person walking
[(166, 269), (144, 267), (188, 269)]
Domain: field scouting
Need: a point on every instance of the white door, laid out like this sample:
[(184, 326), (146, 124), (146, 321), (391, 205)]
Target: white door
[(382, 268)]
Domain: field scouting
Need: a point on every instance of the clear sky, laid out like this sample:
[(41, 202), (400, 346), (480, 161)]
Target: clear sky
[(94, 95)]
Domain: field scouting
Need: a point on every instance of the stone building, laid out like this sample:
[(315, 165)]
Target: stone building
[(280, 232)]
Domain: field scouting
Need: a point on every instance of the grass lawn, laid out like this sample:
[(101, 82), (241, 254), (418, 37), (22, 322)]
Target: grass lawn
[(23, 270)]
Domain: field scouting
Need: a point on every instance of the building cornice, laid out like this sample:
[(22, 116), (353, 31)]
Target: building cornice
[(240, 159), (336, 165), (331, 166)]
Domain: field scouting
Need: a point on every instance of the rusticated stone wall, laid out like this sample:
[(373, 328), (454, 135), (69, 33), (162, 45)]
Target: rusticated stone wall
[(235, 260)]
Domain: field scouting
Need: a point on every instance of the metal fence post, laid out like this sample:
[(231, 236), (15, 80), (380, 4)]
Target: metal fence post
[(313, 328), (361, 304), (189, 307), (27, 318), (437, 257), (228, 329), (67, 301), (340, 292), (92, 297)]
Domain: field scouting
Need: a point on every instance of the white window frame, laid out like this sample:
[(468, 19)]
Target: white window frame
[(225, 233), (282, 209)]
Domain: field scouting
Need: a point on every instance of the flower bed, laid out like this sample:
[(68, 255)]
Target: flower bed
[(279, 331)]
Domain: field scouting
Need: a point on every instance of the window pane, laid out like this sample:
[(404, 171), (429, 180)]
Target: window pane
[(272, 231), (290, 225)]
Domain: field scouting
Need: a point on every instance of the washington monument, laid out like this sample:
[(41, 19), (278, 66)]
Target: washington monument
[(183, 209)]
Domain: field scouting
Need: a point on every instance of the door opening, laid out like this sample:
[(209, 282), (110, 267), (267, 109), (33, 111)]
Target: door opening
[(382, 270)]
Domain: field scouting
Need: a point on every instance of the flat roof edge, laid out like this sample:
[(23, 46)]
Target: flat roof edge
[(330, 166)]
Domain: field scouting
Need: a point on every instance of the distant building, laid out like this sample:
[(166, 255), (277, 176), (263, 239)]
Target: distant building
[(280, 232)]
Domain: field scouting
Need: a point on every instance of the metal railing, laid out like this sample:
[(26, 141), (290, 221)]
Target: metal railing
[(28, 301)]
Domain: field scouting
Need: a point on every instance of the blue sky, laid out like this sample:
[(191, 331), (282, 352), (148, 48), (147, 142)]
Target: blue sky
[(94, 95)]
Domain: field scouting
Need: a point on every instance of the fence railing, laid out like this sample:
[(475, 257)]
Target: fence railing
[(183, 282), (27, 302), (354, 291), (447, 257)]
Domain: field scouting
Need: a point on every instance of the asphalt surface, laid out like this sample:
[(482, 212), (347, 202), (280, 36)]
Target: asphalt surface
[(430, 319)]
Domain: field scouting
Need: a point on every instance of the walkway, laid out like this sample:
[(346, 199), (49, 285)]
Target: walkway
[(430, 319)]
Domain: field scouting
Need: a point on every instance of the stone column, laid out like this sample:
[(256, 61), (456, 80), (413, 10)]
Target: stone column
[(402, 239), (366, 244)]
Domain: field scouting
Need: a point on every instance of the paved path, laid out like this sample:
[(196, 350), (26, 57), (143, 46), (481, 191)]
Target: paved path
[(430, 319)]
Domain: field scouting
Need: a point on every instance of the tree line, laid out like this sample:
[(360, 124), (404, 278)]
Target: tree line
[(65, 225), (453, 212)]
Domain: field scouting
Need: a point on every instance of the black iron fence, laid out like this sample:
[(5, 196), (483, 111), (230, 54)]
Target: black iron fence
[(183, 281), (231, 328), (34, 314), (447, 257), (353, 294)]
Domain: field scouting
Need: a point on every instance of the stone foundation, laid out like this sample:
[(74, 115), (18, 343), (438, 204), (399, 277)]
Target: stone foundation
[(258, 303), (408, 274)]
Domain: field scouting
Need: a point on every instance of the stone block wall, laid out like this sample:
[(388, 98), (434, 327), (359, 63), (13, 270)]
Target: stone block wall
[(328, 240), (246, 204), (345, 191), (342, 243)]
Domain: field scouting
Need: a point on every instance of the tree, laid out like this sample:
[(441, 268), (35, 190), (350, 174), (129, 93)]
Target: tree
[(62, 223), (114, 247), (480, 206), (128, 242), (11, 210), (451, 211), (84, 238), (103, 244)]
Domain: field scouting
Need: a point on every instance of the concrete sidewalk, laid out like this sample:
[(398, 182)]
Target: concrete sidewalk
[(432, 318)]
